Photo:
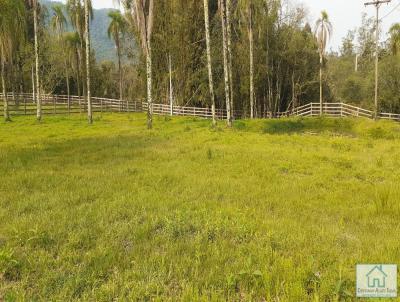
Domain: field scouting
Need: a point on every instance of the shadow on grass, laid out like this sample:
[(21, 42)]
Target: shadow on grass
[(301, 125), (88, 151), (354, 127)]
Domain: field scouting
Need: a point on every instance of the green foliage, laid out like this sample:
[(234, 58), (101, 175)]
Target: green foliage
[(390, 84), (9, 266), (357, 87), (286, 61), (113, 212), (395, 38)]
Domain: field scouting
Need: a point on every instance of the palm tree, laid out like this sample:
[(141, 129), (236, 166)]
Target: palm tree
[(76, 14), (117, 28), (140, 17), (12, 27), (323, 32), (58, 23), (72, 44), (209, 63), (395, 38), (87, 39)]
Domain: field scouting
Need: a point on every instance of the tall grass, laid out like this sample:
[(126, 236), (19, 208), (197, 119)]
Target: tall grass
[(271, 210)]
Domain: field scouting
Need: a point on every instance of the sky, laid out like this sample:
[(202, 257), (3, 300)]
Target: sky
[(344, 14)]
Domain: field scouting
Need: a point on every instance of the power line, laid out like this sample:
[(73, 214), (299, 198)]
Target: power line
[(391, 12)]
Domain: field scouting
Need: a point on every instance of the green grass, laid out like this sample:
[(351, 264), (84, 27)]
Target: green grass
[(271, 210)]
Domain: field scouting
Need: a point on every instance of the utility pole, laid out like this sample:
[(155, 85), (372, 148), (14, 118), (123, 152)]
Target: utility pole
[(377, 4)]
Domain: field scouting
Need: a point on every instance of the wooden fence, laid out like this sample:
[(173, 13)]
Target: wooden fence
[(23, 104)]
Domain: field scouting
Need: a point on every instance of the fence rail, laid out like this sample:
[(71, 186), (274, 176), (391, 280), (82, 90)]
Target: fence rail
[(24, 104)]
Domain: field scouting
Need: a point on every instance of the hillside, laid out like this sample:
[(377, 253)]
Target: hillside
[(272, 210), (101, 44)]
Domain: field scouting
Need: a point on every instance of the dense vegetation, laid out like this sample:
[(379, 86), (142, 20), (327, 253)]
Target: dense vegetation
[(351, 71), (186, 212), (284, 71)]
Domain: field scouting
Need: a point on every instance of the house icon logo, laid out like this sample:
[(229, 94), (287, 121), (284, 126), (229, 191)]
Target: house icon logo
[(377, 277), (376, 280)]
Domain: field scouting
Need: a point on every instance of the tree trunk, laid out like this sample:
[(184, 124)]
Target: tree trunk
[(33, 85), (149, 86), (14, 87), (78, 78), (251, 43), (293, 102), (356, 64), (171, 90), (229, 38), (38, 98), (83, 78), (226, 68), (209, 63), (82, 63), (87, 34), (119, 71), (320, 85), (68, 90), (3, 84)]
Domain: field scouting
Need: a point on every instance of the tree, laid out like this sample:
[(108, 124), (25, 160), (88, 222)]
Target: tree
[(12, 30), (209, 63), (222, 6), (87, 40), (58, 23), (347, 49), (35, 5), (72, 44), (246, 10), (323, 32), (76, 14), (117, 28), (395, 38), (228, 11), (140, 16)]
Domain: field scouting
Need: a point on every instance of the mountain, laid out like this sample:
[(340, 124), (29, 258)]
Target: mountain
[(101, 44)]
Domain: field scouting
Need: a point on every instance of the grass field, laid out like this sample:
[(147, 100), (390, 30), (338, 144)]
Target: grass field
[(269, 211)]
